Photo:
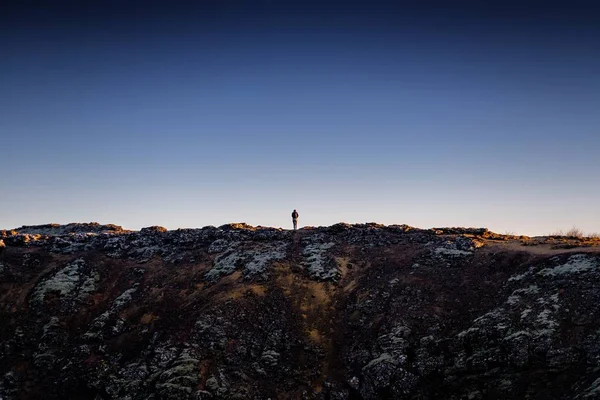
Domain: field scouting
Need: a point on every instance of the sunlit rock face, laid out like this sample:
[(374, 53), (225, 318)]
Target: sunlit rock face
[(367, 311)]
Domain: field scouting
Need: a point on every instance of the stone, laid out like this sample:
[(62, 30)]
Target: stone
[(153, 230), (242, 312)]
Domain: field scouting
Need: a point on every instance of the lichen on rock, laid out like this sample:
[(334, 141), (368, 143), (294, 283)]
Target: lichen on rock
[(317, 262), (577, 263), (71, 283), (253, 261)]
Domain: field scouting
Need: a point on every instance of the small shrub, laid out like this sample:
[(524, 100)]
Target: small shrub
[(574, 232)]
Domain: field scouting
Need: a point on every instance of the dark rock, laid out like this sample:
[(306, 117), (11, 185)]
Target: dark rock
[(241, 312), (153, 229), (561, 358), (5, 234), (237, 226), (21, 239), (56, 229), (462, 231), (465, 243)]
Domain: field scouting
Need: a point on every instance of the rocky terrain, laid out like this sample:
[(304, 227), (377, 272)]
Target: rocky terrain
[(91, 311)]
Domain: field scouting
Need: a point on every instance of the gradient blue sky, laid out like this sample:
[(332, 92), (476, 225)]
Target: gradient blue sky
[(194, 114)]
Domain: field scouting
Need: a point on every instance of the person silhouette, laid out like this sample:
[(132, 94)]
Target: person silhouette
[(295, 219)]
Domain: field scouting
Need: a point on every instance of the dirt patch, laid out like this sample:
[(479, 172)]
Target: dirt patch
[(541, 249), (148, 318)]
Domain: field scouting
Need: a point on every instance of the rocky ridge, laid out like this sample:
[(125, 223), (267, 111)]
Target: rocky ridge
[(362, 311)]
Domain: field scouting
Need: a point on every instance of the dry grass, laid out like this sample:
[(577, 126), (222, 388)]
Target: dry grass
[(577, 233), (573, 232)]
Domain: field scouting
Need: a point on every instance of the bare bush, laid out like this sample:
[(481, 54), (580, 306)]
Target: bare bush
[(574, 232)]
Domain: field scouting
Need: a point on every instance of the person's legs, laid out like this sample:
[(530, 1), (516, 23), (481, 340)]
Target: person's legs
[(295, 224)]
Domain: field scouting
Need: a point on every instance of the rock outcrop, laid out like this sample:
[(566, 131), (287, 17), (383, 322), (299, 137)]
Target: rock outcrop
[(364, 311)]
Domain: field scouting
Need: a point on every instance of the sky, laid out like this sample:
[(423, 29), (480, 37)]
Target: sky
[(187, 114)]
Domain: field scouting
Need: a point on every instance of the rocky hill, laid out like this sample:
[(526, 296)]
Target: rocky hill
[(91, 311)]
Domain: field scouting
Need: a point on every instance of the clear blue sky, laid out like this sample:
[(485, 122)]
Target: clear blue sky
[(181, 116)]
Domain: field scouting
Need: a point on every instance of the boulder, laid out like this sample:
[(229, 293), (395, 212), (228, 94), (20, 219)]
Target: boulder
[(153, 229)]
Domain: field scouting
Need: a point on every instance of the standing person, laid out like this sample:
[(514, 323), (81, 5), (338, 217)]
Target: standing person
[(295, 219)]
